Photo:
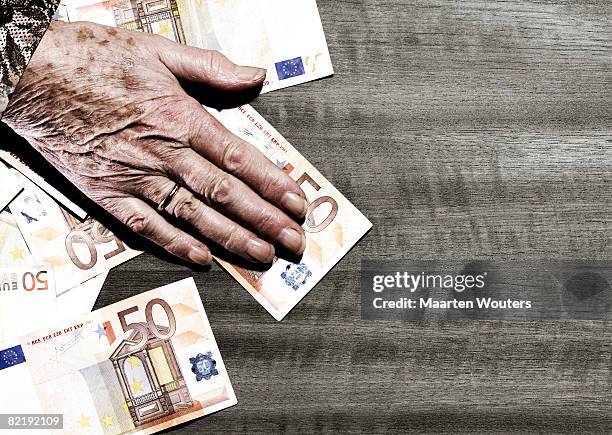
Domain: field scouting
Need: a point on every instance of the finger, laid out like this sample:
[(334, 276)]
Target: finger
[(231, 196), (143, 220), (210, 223), (227, 151), (209, 67)]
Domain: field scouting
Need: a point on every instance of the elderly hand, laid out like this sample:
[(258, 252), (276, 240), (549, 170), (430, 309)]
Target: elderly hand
[(105, 107)]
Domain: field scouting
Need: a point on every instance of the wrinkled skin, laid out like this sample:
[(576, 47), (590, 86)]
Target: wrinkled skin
[(106, 108)]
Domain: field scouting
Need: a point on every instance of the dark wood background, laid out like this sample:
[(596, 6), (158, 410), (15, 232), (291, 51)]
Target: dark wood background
[(462, 129)]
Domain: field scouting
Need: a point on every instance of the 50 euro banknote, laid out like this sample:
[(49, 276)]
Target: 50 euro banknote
[(285, 37), (77, 250), (333, 225), (140, 366)]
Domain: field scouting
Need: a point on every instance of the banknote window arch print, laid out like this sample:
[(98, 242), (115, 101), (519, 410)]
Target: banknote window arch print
[(151, 379), (153, 16)]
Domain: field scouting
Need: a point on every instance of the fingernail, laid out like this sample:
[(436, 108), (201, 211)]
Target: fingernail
[(260, 251), (293, 240), (199, 256), (249, 72), (295, 204)]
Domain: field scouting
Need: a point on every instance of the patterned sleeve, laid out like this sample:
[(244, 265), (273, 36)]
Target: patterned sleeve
[(22, 24)]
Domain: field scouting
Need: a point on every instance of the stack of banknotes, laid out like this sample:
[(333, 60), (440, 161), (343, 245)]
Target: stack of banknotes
[(151, 362)]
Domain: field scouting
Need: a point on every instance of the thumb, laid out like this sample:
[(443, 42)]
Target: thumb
[(209, 67)]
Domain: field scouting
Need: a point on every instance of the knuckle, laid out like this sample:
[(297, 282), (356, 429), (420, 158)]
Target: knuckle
[(214, 60), (234, 157), (233, 241), (187, 208), (220, 191), (268, 220), (138, 222), (272, 186), (173, 244)]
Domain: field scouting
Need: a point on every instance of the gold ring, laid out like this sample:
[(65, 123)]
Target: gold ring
[(166, 202)]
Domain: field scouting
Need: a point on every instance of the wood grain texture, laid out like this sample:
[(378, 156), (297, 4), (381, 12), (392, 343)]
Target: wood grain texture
[(472, 129)]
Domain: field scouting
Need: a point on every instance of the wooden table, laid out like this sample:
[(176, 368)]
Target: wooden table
[(471, 129)]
